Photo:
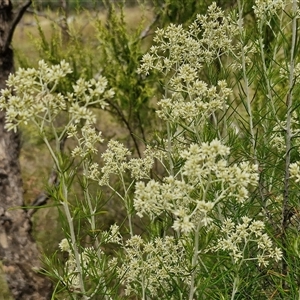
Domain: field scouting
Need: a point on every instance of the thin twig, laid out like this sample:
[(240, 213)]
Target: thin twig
[(123, 118), (57, 21), (146, 31)]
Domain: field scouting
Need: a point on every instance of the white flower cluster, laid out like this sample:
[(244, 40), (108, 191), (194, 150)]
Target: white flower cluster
[(208, 37), (71, 276), (205, 179), (244, 52), (153, 266), (116, 161), (267, 8), (278, 136), (201, 102), (113, 235), (294, 170), (245, 235), (91, 92), (31, 95), (87, 141), (180, 54), (284, 73)]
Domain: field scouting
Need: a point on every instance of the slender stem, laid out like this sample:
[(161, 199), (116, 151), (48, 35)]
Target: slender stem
[(127, 204), (169, 135), (54, 157), (89, 202), (65, 205), (125, 200), (246, 82), (288, 139), (54, 132), (143, 290), (265, 71), (127, 124), (169, 149), (236, 281), (194, 262), (92, 221), (235, 286)]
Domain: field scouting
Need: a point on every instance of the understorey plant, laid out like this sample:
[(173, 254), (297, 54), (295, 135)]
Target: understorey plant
[(217, 216)]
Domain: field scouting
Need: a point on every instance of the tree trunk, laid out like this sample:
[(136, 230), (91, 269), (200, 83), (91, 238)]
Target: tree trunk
[(18, 251)]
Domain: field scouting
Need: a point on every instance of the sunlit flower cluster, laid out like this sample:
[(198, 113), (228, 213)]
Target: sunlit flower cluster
[(180, 55), (29, 94), (294, 169), (32, 96), (238, 238), (278, 136), (206, 179), (153, 266), (116, 161), (208, 37), (113, 235), (153, 197), (267, 8), (285, 73), (140, 167), (91, 91), (201, 101), (87, 141), (71, 276)]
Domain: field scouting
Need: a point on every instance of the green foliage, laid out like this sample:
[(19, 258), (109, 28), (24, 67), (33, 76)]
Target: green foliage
[(71, 4), (112, 50), (211, 207), (120, 51)]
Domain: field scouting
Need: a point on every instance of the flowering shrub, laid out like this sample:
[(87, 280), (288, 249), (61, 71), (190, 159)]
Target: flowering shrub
[(215, 219)]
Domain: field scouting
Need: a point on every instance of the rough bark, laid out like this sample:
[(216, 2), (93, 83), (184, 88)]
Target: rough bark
[(18, 250)]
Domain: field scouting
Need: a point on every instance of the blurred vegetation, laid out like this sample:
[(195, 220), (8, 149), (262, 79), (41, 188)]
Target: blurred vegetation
[(74, 4)]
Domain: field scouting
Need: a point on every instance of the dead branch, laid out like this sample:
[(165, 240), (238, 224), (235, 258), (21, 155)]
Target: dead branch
[(146, 31), (15, 20)]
